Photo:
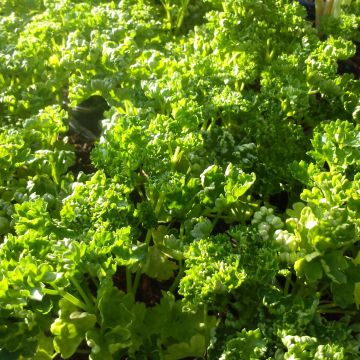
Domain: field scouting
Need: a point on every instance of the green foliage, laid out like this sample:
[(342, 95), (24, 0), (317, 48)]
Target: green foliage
[(321, 234), (220, 219), (212, 270), (69, 328), (34, 162), (247, 345), (338, 145)]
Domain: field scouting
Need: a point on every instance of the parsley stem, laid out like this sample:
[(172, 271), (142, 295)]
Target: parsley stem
[(49, 291), (128, 280), (335, 311), (139, 270), (179, 275), (329, 305), (67, 296), (206, 335), (215, 221), (82, 293), (159, 203), (74, 300), (137, 280), (287, 285), (181, 15)]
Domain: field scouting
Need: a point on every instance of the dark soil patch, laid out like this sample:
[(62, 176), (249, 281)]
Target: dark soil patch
[(84, 129), (149, 290), (82, 149)]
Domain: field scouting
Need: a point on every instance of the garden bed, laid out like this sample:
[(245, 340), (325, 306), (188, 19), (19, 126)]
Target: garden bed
[(180, 180)]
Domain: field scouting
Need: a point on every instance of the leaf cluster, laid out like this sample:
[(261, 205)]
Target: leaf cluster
[(177, 245)]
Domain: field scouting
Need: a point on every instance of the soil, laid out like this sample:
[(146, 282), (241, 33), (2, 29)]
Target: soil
[(83, 149), (149, 291)]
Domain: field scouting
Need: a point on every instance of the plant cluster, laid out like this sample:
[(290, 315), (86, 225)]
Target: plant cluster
[(221, 220)]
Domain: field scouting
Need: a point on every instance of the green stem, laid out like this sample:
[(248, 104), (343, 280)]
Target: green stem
[(330, 305), (206, 335), (71, 298), (181, 265), (128, 280), (181, 232), (216, 219), (179, 275), (287, 285), (181, 16), (139, 270), (335, 311), (167, 8), (136, 280), (158, 206), (313, 92), (74, 300), (55, 174), (50, 291), (82, 293)]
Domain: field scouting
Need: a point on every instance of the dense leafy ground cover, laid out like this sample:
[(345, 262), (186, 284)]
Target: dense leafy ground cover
[(219, 216)]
